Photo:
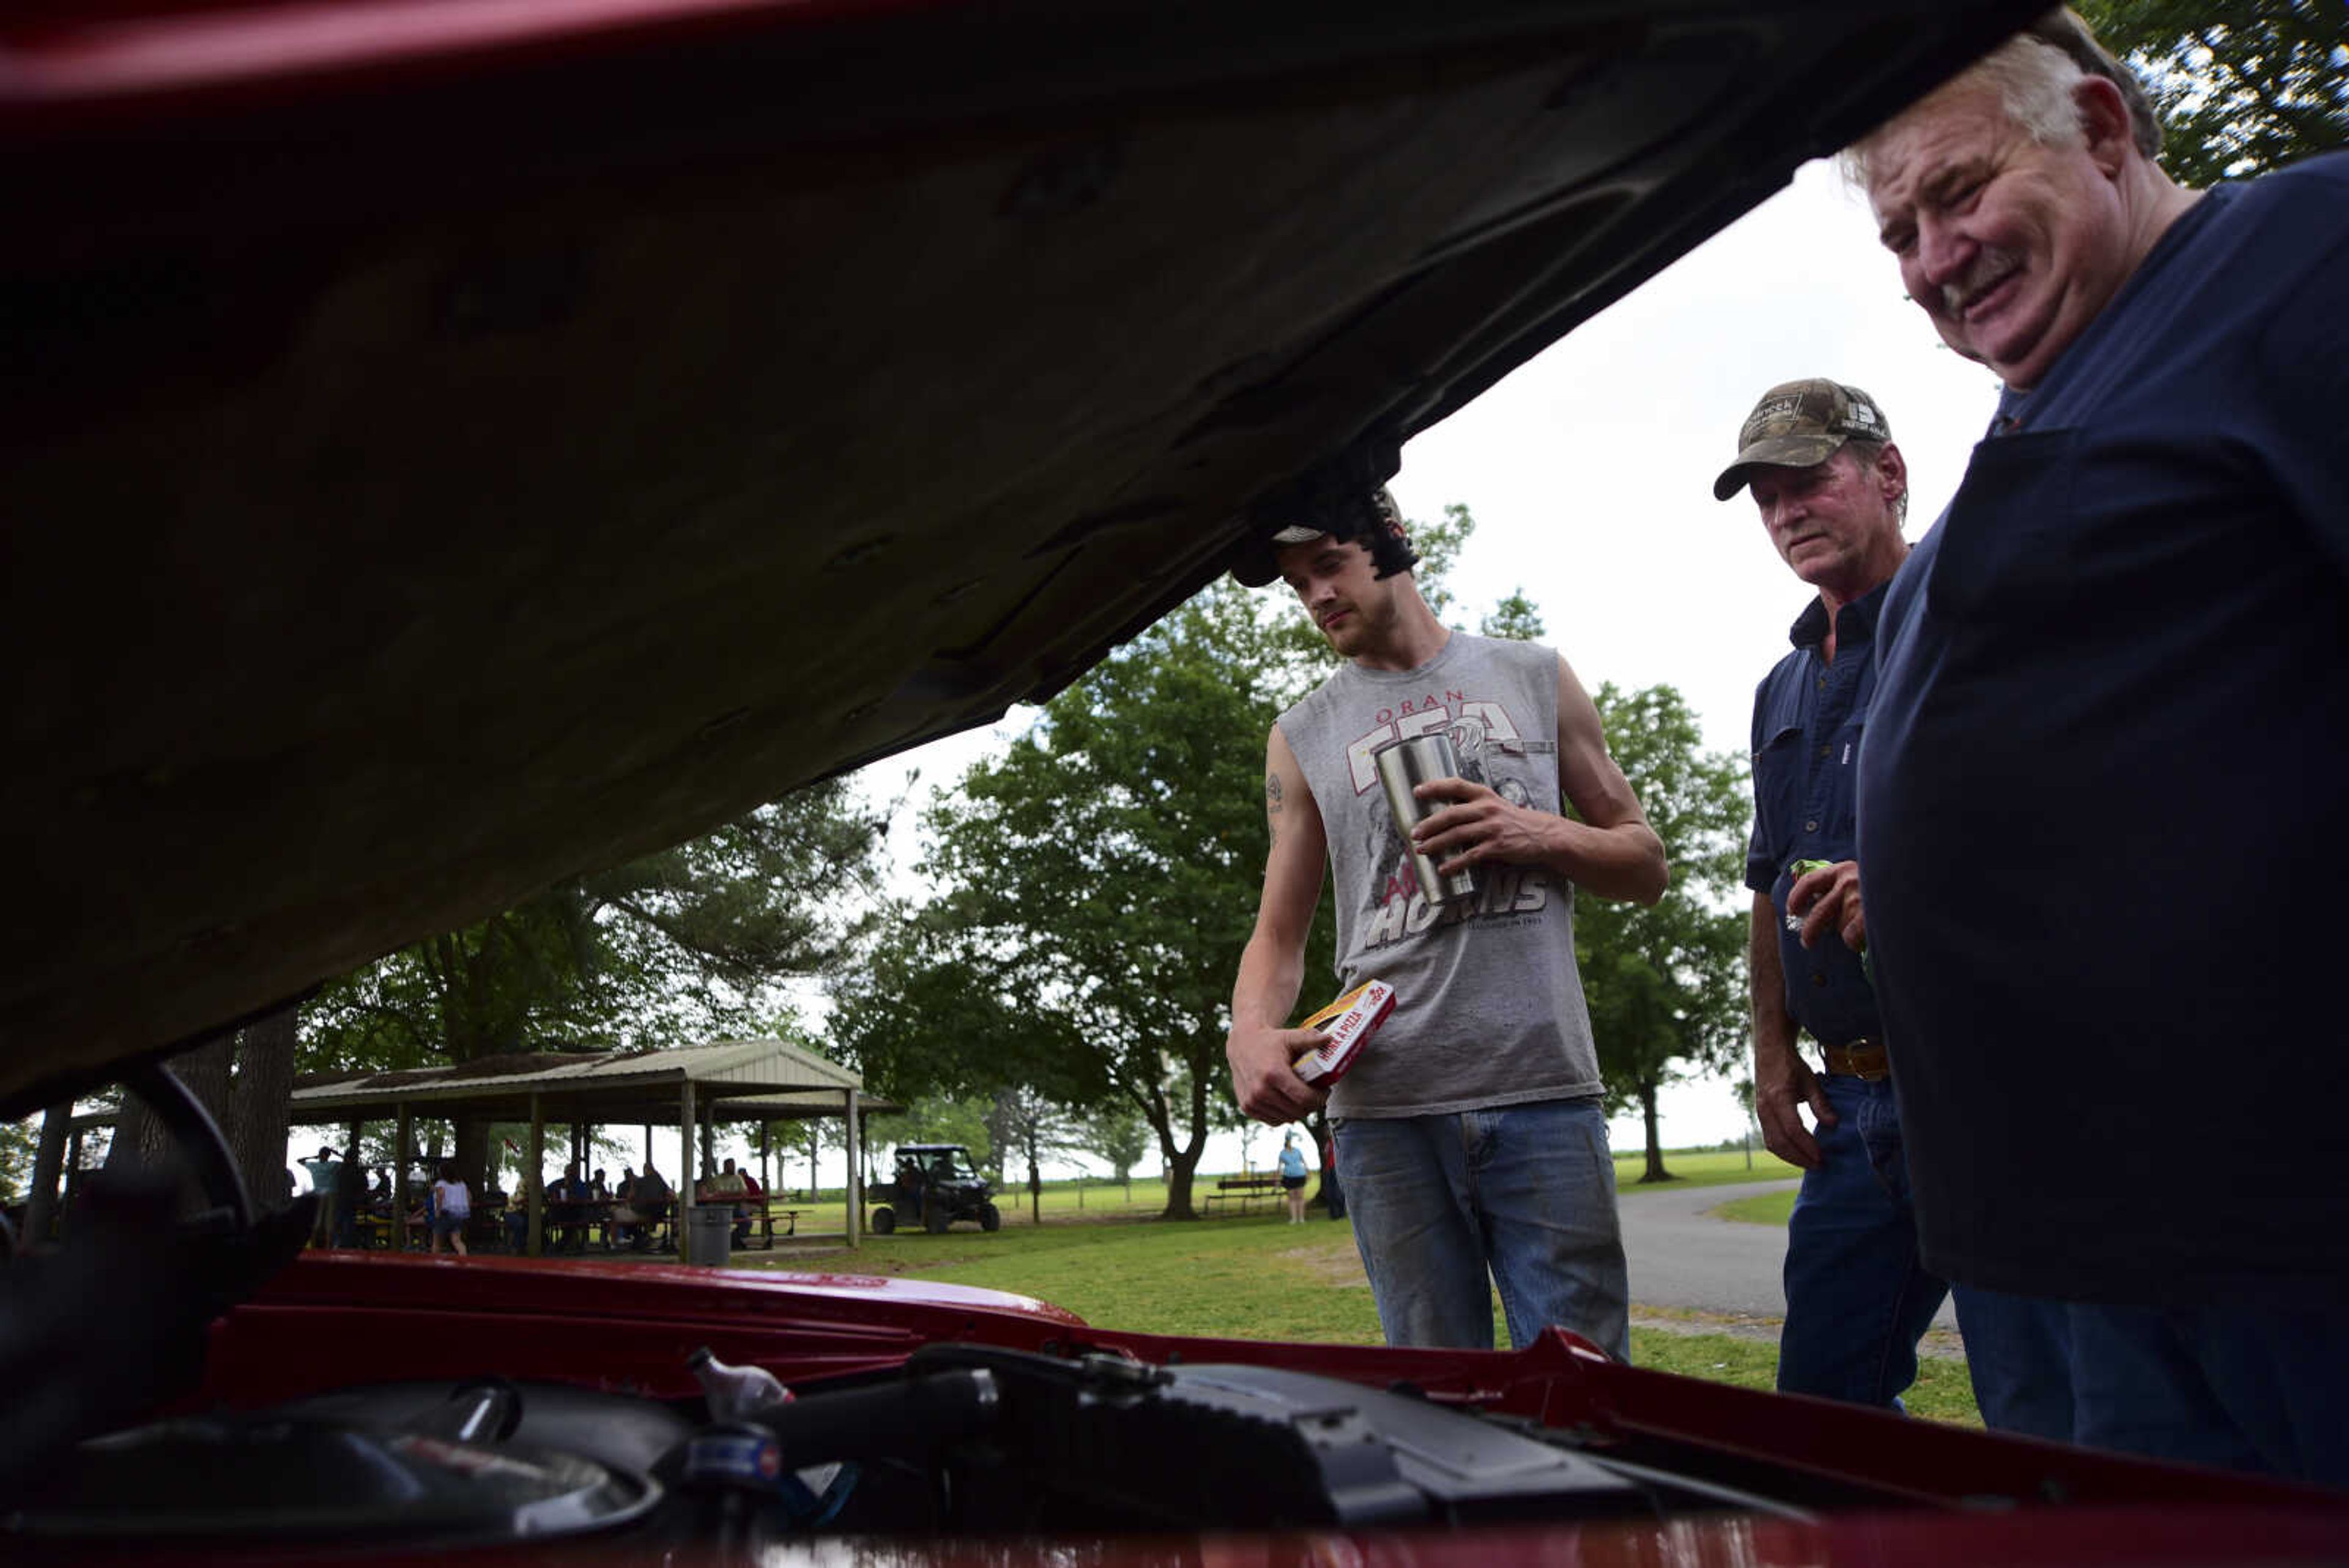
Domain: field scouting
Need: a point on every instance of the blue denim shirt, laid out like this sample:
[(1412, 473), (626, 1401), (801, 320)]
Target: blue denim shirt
[(1808, 716)]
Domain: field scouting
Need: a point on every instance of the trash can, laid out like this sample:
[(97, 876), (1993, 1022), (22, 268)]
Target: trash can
[(708, 1234)]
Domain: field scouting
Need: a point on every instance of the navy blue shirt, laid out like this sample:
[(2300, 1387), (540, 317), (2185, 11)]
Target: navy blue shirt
[(2104, 801), (1808, 716)]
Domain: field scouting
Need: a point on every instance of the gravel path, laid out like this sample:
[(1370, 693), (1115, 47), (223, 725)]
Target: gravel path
[(1688, 1268)]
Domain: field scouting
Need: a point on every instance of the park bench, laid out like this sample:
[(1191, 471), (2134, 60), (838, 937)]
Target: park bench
[(1244, 1190)]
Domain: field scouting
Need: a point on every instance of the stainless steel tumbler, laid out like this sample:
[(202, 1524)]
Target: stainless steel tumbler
[(1402, 764)]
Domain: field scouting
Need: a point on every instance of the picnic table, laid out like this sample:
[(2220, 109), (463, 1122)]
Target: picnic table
[(570, 1225), (763, 1212)]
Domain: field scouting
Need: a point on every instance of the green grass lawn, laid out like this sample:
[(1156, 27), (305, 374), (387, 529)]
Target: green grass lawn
[(1255, 1276), (1761, 1209), (1100, 1198), (1710, 1168)]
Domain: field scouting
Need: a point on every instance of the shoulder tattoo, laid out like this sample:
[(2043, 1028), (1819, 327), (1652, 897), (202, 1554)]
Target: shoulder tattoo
[(1272, 792)]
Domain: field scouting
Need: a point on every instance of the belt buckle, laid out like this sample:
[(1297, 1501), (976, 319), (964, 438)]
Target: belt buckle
[(1852, 1057)]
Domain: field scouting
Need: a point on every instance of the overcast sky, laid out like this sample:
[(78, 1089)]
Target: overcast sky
[(1590, 470)]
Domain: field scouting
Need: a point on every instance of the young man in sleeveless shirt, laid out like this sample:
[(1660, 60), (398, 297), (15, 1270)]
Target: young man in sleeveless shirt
[(1470, 1135)]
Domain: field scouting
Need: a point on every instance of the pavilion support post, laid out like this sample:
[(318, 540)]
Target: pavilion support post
[(351, 1200), (532, 1182), (684, 1165), (403, 1137), (855, 1142)]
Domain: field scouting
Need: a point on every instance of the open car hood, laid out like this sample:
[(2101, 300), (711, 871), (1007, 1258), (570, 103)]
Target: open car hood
[(450, 444)]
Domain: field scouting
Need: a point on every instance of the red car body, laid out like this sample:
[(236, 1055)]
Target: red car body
[(1913, 1493)]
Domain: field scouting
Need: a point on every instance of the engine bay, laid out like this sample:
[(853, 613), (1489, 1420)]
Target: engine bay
[(964, 1441), (187, 1384)]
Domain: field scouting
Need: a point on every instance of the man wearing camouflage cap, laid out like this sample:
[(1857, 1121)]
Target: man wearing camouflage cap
[(1471, 1138), (1832, 490)]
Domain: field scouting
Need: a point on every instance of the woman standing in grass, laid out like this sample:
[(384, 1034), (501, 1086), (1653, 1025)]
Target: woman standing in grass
[(1292, 1177), (452, 1205)]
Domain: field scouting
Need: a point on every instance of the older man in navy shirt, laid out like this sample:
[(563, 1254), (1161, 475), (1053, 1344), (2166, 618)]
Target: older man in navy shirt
[(2102, 822), (1832, 489)]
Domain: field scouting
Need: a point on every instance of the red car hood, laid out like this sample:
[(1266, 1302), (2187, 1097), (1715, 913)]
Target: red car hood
[(451, 443)]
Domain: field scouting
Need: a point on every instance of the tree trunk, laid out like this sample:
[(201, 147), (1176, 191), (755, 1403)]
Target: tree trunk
[(49, 1165), (473, 1152), (261, 1105), (1656, 1172), (1178, 1164), (140, 1140)]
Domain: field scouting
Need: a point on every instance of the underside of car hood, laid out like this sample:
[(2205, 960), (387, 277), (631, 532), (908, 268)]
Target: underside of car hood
[(448, 447)]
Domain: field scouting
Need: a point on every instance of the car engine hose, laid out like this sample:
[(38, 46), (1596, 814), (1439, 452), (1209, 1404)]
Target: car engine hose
[(887, 1421)]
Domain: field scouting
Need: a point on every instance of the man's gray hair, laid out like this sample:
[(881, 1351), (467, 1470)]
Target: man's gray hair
[(2034, 73), (2068, 31), (1868, 454)]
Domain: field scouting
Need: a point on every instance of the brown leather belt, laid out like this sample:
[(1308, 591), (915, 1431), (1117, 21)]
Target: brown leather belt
[(1861, 1059)]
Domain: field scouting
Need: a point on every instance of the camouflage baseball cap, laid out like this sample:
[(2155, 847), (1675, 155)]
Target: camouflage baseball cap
[(1799, 423)]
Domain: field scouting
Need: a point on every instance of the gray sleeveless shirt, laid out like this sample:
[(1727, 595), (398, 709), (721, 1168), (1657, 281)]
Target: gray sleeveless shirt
[(1488, 1003)]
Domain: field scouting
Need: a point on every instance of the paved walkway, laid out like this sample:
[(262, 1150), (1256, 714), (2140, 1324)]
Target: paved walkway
[(1682, 1258)]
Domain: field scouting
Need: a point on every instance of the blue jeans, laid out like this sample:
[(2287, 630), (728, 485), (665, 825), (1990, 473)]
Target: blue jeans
[(1527, 1193), (1859, 1300), (2019, 1352), (2246, 1387)]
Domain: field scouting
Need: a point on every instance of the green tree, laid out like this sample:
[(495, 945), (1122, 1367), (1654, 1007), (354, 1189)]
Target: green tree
[(670, 948), (1033, 1126), (1666, 983), (2243, 86), (951, 1119), (1118, 1138), (935, 1025), (17, 1142), (1096, 884), (1514, 617)]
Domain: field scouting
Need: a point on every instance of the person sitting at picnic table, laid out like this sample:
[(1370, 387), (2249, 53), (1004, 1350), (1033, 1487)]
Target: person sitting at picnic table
[(451, 1206), (745, 1212), (726, 1183), (644, 1203), (598, 1189), (566, 1207), (517, 1225)]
